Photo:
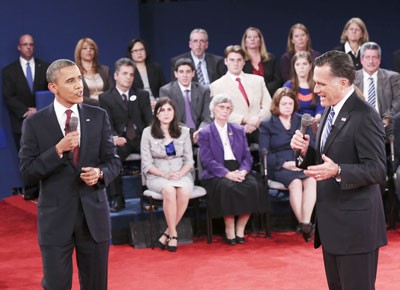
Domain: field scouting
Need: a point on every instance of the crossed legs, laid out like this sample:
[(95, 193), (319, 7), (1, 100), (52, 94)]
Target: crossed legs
[(175, 203), (302, 198)]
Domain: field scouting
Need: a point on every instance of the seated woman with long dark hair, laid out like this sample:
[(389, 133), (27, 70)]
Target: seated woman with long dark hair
[(167, 162), (226, 162)]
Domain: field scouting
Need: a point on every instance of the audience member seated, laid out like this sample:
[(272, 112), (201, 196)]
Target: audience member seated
[(21, 80), (226, 161), (249, 93), (191, 98), (302, 84), (167, 162), (259, 61), (96, 78), (396, 61), (354, 34), (209, 67), (298, 40), (275, 136), (129, 112), (380, 87), (148, 75)]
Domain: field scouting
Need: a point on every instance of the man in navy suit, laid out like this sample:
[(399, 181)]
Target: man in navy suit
[(129, 111), (349, 166), (209, 67), (73, 168), (19, 87)]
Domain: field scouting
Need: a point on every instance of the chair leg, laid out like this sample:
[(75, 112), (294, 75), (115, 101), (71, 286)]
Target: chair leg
[(268, 223), (152, 243), (197, 215), (209, 228)]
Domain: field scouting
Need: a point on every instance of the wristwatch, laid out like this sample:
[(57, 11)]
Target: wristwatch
[(338, 175), (100, 173)]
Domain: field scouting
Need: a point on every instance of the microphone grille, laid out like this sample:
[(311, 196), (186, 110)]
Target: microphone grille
[(306, 120)]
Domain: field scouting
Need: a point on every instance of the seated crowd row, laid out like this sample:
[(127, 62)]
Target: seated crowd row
[(235, 91)]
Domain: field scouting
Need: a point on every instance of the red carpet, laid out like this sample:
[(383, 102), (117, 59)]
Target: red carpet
[(283, 262)]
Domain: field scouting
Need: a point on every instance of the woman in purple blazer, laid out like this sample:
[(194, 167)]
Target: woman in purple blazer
[(226, 162)]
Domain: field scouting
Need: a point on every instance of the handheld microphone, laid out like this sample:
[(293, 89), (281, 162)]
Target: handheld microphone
[(306, 120), (391, 141), (264, 153), (73, 126)]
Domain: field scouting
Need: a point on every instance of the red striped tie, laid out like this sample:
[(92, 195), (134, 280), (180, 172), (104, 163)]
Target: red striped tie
[(241, 88)]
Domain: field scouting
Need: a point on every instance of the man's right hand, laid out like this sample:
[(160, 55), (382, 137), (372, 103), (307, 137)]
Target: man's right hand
[(119, 141), (68, 143), (300, 142)]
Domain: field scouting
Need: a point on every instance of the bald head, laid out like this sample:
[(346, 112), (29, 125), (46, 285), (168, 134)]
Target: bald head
[(26, 46)]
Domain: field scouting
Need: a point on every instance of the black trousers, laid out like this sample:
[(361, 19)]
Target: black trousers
[(351, 272), (91, 257)]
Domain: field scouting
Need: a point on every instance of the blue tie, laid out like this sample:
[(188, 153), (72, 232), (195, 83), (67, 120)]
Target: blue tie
[(327, 129), (29, 77)]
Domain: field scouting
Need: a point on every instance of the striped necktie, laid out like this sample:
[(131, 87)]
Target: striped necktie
[(327, 129), (371, 92), (200, 76)]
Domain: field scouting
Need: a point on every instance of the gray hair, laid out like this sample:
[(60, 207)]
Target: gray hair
[(370, 45), (219, 99), (55, 67), (198, 30), (124, 61)]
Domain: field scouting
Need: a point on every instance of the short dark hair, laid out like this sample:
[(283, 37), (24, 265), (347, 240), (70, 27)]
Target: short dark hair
[(184, 61), (234, 48), (279, 94), (54, 68), (124, 61), (340, 63), (132, 43), (174, 129)]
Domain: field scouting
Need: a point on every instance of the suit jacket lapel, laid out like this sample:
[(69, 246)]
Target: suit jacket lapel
[(341, 119), (118, 98), (176, 91), (380, 85), (216, 137)]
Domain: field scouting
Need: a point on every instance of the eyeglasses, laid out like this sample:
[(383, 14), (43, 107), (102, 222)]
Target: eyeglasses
[(137, 50)]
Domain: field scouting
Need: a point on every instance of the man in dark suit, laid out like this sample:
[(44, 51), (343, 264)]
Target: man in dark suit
[(73, 166), (209, 67), (20, 84), (350, 158), (129, 111), (192, 99)]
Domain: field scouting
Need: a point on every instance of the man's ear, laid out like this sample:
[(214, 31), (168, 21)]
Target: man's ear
[(52, 87)]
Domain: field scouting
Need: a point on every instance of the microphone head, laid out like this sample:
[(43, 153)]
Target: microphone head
[(391, 138), (73, 123), (306, 120)]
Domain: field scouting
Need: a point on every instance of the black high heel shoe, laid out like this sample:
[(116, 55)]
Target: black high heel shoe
[(172, 248), (161, 245), (308, 231)]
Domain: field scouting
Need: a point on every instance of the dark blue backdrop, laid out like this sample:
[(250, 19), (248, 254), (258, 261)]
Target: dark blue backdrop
[(57, 26)]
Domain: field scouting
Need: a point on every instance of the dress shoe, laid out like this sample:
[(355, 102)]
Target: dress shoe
[(230, 241), (240, 240), (117, 204), (31, 195), (298, 228), (159, 244), (172, 248), (308, 231)]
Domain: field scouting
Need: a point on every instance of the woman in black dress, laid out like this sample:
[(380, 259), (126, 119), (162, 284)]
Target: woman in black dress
[(226, 162), (275, 136)]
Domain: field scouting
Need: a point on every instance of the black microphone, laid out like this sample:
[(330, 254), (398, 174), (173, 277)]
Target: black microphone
[(73, 126), (391, 141), (264, 153), (306, 120)]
